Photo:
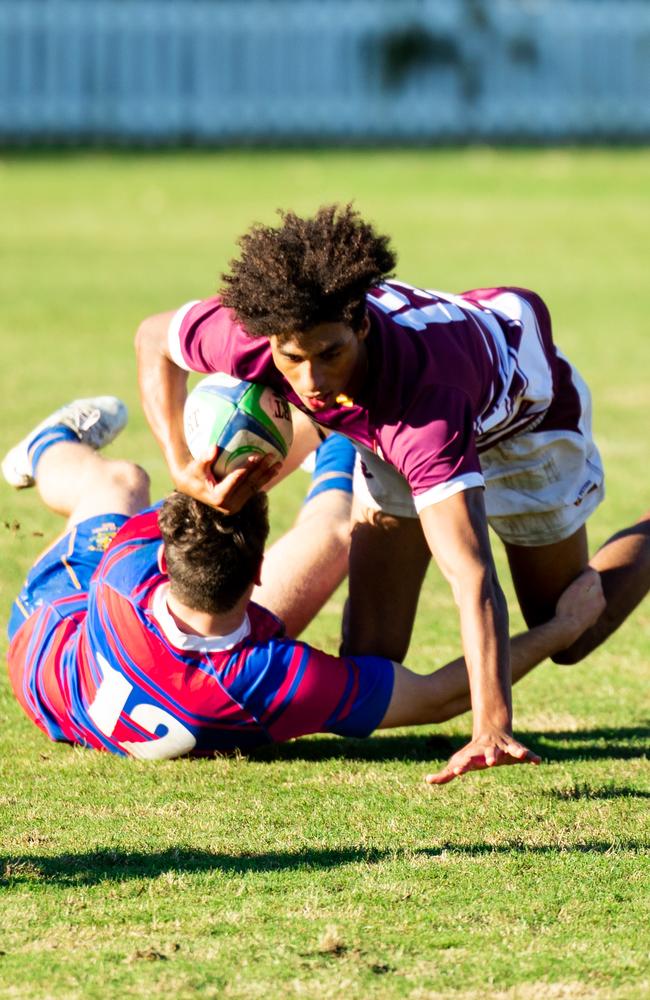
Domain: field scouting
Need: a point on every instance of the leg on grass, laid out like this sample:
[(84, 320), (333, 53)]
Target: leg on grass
[(540, 575), (389, 557), (60, 457), (419, 699), (302, 569), (624, 566)]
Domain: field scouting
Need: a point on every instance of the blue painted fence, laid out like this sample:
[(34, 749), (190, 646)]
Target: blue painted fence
[(256, 71)]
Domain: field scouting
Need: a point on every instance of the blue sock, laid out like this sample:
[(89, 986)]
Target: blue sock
[(334, 466), (45, 439)]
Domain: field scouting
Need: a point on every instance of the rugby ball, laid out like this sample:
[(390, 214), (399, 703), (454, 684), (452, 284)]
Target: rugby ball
[(241, 418)]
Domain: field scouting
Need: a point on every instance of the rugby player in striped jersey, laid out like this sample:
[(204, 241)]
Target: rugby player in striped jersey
[(136, 631)]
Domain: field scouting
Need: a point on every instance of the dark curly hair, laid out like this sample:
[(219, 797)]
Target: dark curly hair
[(212, 558), (306, 272)]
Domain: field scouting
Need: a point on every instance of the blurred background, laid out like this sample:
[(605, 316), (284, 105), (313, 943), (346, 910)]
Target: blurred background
[(218, 72)]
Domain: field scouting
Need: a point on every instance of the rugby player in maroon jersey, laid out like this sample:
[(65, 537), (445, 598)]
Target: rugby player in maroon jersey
[(464, 413)]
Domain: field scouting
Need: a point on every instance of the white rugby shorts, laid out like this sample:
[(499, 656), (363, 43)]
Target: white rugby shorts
[(540, 486)]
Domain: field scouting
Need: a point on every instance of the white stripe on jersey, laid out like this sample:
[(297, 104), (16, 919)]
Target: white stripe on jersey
[(390, 300), (483, 318), (521, 388), (455, 310), (173, 335), (420, 319), (468, 481), (530, 362)]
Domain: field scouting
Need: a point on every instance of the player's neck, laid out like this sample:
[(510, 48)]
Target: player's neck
[(204, 623)]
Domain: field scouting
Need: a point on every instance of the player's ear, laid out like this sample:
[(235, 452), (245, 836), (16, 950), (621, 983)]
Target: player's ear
[(364, 329)]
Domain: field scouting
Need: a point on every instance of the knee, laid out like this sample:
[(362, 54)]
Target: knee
[(130, 479)]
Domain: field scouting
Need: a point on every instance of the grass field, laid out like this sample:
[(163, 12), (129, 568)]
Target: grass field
[(327, 868)]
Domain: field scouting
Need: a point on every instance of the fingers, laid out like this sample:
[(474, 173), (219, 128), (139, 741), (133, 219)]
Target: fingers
[(234, 490), (253, 477), (455, 770), (465, 761), (584, 597), (521, 753), (261, 471), (441, 778), (581, 605), (229, 494)]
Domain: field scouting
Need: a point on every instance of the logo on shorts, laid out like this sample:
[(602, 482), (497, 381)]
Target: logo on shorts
[(102, 537), (587, 487)]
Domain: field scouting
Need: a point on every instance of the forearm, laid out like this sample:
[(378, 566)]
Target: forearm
[(422, 699), (458, 538), (163, 390), (484, 630), (457, 533), (527, 650)]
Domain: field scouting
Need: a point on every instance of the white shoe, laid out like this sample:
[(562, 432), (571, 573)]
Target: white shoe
[(96, 422)]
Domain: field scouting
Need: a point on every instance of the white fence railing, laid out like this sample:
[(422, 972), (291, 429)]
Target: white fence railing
[(224, 71)]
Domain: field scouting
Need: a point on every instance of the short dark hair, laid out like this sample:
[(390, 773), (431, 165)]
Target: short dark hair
[(212, 558), (306, 272)]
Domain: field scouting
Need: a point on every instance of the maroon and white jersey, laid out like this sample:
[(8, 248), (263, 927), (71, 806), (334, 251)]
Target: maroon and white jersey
[(448, 377)]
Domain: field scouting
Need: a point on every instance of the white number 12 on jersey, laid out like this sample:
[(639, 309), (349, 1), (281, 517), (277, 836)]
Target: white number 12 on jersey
[(108, 704)]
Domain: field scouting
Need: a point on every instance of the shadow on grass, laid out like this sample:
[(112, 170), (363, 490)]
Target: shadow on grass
[(583, 791), (604, 743), (115, 866)]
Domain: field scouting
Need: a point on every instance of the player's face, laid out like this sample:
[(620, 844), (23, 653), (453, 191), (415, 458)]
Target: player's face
[(319, 365)]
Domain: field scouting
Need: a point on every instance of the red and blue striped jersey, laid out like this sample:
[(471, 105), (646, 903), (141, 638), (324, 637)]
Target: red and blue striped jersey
[(100, 669)]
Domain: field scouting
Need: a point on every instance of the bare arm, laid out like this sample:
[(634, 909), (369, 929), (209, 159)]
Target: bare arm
[(457, 534), (420, 699), (163, 391)]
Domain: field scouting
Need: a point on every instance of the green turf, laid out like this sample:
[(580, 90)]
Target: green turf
[(327, 868)]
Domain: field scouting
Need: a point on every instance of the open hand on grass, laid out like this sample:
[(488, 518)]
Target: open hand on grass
[(491, 749)]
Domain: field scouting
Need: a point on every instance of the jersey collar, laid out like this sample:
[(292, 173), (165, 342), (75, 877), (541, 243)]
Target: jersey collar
[(184, 640)]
